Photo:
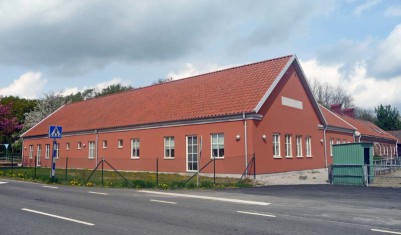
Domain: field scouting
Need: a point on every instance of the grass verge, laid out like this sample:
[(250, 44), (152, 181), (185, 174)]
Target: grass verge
[(138, 180)]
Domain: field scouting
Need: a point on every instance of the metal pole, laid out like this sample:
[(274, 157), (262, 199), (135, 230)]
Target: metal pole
[(102, 171), (214, 170), (35, 165), (157, 172), (254, 167), (53, 173), (66, 168)]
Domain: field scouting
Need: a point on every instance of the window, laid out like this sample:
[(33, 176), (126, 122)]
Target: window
[(120, 143), (338, 141), (217, 145), (288, 151), (105, 144), (30, 151), (192, 153), (57, 150), (92, 149), (47, 151), (299, 145), (344, 141), (308, 146), (39, 155), (331, 146), (135, 148), (79, 145), (276, 145), (169, 147), (67, 146)]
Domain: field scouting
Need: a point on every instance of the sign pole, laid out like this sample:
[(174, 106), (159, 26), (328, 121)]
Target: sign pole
[(54, 160)]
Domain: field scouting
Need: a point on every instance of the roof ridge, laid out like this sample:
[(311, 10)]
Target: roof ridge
[(184, 79)]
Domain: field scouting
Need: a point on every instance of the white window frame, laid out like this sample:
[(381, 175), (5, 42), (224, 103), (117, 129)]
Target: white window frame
[(120, 143), (169, 147), (67, 146), (276, 145), (219, 145), (299, 145), (193, 153), (288, 146), (47, 151), (135, 148), (338, 141), (308, 145), (79, 145), (30, 151), (104, 144), (331, 146), (91, 150), (39, 155)]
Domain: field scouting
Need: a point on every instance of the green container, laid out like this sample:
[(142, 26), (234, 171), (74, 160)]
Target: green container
[(349, 161)]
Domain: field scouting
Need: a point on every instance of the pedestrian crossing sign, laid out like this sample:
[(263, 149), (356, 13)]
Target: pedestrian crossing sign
[(55, 132)]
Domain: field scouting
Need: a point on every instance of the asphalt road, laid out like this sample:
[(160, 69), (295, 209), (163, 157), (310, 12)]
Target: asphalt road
[(28, 208)]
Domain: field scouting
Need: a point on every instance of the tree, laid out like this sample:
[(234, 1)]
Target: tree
[(365, 114), (162, 80), (388, 118), (44, 107), (327, 94), (19, 106), (8, 123), (114, 88)]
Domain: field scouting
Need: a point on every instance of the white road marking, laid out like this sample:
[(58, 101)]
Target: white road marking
[(385, 231), (153, 200), (58, 217), (46, 186), (98, 193), (253, 213), (208, 198), (3, 182)]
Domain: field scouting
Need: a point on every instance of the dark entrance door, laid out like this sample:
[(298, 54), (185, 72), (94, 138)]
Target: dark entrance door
[(366, 155)]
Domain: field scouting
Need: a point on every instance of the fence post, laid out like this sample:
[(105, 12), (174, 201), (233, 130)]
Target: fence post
[(214, 170), (12, 160), (35, 165), (102, 170), (254, 167), (157, 172), (66, 168)]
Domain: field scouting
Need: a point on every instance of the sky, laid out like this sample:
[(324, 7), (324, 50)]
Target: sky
[(72, 45)]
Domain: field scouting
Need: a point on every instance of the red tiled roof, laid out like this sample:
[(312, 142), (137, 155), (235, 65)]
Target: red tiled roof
[(230, 91), (367, 128), (333, 119), (396, 134)]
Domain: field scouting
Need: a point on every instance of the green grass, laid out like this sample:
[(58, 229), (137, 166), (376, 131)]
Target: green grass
[(111, 179)]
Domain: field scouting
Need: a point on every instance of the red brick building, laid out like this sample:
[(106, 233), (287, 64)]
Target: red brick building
[(265, 109)]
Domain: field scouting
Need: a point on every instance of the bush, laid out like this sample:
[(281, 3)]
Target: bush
[(143, 184), (206, 184)]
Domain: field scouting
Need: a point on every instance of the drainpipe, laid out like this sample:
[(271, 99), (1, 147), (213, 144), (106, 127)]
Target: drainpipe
[(22, 151), (324, 142), (96, 144), (245, 140)]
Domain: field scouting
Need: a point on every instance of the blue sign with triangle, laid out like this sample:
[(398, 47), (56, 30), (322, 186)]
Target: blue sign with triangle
[(55, 132)]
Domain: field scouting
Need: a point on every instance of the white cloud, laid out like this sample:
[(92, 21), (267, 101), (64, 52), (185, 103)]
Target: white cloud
[(366, 90), (100, 86), (190, 70), (365, 6), (29, 85), (387, 61), (393, 11)]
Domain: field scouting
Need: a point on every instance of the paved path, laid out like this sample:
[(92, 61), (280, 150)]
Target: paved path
[(28, 208)]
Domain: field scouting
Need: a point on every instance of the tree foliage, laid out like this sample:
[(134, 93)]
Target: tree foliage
[(9, 124), (93, 92), (19, 106), (388, 118), (44, 107), (162, 80), (365, 114), (327, 94)]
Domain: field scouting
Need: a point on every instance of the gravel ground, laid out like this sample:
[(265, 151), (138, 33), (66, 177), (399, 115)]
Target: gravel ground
[(317, 176)]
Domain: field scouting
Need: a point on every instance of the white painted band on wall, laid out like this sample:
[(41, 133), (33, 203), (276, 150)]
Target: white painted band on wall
[(291, 103)]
